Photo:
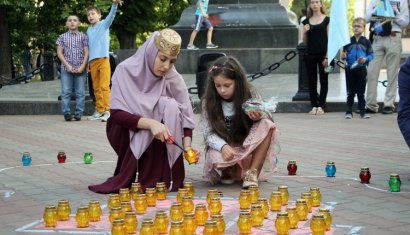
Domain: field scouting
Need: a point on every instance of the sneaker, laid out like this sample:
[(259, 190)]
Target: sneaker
[(192, 47), (370, 111), (320, 111), (251, 178), (387, 110), (313, 111), (348, 115), (105, 116), (365, 116), (96, 116), (211, 46), (68, 117), (77, 117)]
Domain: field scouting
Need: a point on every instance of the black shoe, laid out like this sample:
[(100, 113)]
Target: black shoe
[(387, 110), (67, 117), (369, 111), (77, 117)]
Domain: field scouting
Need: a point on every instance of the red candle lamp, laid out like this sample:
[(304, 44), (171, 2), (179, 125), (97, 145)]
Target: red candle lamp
[(292, 167), (365, 175), (61, 157)]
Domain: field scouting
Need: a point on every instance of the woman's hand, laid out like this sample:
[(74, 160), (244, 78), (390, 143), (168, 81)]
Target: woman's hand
[(158, 130), (325, 62), (228, 152), (306, 27), (255, 115)]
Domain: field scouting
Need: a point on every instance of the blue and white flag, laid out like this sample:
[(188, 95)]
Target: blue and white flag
[(338, 28)]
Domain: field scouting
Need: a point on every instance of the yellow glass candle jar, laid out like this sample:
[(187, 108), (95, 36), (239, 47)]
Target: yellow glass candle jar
[(220, 223), (136, 189), (177, 228), (63, 210), (116, 212), (50, 216), (211, 193), (327, 216), (265, 206), (161, 222), (210, 228), (140, 204), (244, 199), (118, 227), (254, 193), (94, 210), (316, 196), (284, 194), (126, 206), (190, 156), (275, 201), (187, 204), (182, 192), (191, 189), (190, 224), (317, 225), (131, 222), (151, 194), (147, 227), (301, 209), (215, 206), (282, 223), (244, 222), (201, 214), (125, 195), (293, 217), (309, 200), (161, 191), (176, 213), (257, 215), (82, 217), (113, 200)]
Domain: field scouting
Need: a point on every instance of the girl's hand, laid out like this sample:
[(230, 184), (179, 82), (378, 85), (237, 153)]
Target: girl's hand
[(120, 2), (255, 115), (306, 27), (159, 130), (228, 152), (325, 62)]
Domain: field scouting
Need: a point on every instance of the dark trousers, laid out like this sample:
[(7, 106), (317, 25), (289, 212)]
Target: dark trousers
[(313, 63), (356, 84)]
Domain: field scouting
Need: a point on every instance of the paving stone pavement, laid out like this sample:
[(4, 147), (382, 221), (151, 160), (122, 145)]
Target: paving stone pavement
[(310, 140)]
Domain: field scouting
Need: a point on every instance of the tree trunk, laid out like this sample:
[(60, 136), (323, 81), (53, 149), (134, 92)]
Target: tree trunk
[(5, 45), (126, 39)]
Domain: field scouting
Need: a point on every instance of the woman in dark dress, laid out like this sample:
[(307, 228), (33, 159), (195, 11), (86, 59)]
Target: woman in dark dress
[(149, 99)]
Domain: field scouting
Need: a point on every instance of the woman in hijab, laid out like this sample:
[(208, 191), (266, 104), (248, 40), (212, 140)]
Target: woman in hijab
[(149, 102)]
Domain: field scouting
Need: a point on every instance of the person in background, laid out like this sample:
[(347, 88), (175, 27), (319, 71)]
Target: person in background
[(26, 61), (403, 110)]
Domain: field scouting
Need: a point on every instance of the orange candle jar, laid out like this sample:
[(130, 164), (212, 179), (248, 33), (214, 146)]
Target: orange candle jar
[(211, 193), (257, 215), (210, 228), (327, 216), (191, 189), (301, 209), (176, 213), (63, 210), (118, 227), (113, 200), (220, 223), (151, 194), (140, 204), (161, 191), (244, 222), (215, 206), (187, 204), (116, 212), (190, 156), (82, 217), (317, 225), (244, 199), (126, 206), (265, 206), (135, 189), (293, 217), (275, 201), (284, 194), (309, 200), (182, 192), (50, 216), (161, 222), (147, 227), (131, 222), (125, 195), (177, 228), (316, 196), (254, 193), (94, 210), (201, 214), (190, 224), (282, 223)]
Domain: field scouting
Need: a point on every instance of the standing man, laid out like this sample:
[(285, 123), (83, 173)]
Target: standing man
[(387, 46)]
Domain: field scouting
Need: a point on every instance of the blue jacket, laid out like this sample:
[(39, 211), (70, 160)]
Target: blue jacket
[(357, 49), (403, 117)]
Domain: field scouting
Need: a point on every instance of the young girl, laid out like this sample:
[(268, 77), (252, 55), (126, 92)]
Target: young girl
[(315, 37), (238, 143)]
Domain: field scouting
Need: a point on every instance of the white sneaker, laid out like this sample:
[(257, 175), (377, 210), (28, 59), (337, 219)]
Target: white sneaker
[(250, 178), (96, 116), (105, 116)]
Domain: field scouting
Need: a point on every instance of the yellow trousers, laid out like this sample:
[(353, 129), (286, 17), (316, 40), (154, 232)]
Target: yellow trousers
[(101, 73)]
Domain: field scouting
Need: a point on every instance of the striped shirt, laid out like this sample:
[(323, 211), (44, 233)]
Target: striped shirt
[(73, 44)]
